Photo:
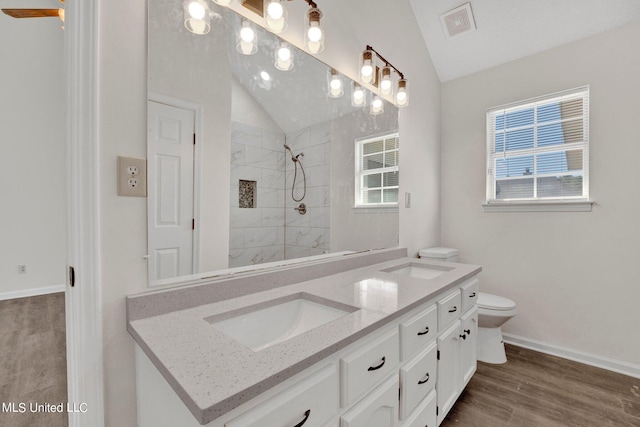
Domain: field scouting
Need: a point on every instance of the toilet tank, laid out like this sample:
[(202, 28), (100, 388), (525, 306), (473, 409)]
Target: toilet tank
[(439, 254)]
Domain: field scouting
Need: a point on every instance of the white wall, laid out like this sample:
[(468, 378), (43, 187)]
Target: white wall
[(390, 28), (574, 276), (33, 160)]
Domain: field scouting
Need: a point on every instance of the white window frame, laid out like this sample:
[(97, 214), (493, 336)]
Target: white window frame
[(360, 173), (572, 203)]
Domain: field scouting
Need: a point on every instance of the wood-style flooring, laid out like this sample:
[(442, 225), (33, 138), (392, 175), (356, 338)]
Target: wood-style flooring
[(33, 365), (535, 389)]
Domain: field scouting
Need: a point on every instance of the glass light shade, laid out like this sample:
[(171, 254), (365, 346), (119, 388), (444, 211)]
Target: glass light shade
[(275, 14), (336, 86), (377, 106), (402, 93), (367, 66), (358, 95), (247, 39), (314, 33), (284, 57), (196, 16), (386, 84), (223, 2)]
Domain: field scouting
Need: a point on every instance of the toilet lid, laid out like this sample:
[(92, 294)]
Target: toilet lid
[(495, 302)]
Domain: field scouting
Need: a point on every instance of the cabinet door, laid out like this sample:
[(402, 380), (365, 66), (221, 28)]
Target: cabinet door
[(378, 409), (468, 351), (425, 413), (448, 385), (312, 401), (470, 293)]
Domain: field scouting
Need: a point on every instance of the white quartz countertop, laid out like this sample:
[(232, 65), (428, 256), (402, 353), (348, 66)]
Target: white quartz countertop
[(213, 373)]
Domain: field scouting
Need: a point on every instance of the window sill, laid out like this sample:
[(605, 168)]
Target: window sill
[(375, 209), (542, 206)]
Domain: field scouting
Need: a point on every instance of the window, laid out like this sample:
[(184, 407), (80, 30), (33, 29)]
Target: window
[(537, 150), (377, 171)]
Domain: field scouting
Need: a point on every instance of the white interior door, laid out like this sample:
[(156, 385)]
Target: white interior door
[(170, 154)]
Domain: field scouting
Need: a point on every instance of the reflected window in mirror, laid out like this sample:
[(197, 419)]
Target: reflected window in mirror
[(377, 171)]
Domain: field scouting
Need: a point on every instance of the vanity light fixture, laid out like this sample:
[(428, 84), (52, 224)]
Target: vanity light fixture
[(336, 86), (358, 95), (383, 78), (284, 57), (314, 33), (275, 15), (247, 39), (196, 16)]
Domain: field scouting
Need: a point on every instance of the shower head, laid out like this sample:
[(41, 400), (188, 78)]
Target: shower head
[(286, 147)]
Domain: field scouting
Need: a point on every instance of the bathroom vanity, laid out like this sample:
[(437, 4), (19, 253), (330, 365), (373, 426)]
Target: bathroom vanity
[(383, 341)]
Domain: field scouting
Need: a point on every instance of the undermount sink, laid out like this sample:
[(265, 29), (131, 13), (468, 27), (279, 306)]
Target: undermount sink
[(263, 325), (420, 271)]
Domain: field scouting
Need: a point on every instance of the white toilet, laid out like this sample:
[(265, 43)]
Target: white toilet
[(493, 311)]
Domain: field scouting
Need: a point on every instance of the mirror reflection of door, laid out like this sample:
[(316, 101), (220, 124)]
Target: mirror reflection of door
[(170, 154)]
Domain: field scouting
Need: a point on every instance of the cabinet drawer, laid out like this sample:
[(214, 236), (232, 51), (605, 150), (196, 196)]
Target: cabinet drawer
[(379, 408), (449, 309), (315, 399), (425, 413), (417, 379), (416, 332), (368, 365), (470, 294)]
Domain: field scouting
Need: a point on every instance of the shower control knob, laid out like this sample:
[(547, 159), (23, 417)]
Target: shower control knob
[(302, 209)]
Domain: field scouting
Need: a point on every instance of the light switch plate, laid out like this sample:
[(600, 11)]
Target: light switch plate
[(132, 177)]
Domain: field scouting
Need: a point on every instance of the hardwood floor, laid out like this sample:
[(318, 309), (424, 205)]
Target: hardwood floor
[(33, 367), (535, 389)]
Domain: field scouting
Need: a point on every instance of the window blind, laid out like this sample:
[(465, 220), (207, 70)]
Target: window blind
[(377, 171), (538, 149)]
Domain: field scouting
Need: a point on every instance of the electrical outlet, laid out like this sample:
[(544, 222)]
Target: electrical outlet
[(132, 177), (22, 269)]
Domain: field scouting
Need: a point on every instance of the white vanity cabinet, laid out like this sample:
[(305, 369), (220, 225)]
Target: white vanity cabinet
[(407, 373)]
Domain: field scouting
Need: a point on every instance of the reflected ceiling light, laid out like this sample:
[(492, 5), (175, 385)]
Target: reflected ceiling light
[(314, 34), (358, 95), (275, 14), (196, 16), (247, 40), (377, 106), (384, 81), (284, 57), (265, 76), (336, 87)]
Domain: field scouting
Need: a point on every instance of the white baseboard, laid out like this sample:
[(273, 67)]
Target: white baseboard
[(32, 292), (618, 366)]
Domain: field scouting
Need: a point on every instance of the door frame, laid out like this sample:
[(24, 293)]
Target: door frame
[(198, 113), (83, 302)]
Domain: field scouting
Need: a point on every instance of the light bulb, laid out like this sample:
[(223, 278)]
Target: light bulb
[(367, 70), (196, 10), (357, 95), (314, 33), (402, 94), (377, 106), (247, 34), (284, 53), (366, 66), (336, 84), (275, 10)]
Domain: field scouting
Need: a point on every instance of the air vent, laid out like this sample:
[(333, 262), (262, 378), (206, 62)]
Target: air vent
[(458, 21)]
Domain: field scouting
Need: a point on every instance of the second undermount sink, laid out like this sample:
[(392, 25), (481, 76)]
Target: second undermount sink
[(420, 271), (265, 324)]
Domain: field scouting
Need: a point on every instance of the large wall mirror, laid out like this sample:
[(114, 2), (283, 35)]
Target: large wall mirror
[(271, 175)]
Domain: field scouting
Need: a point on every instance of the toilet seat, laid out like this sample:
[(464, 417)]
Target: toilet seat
[(495, 302)]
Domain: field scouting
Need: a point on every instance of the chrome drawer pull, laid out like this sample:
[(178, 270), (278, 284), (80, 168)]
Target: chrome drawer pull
[(426, 331), (425, 379), (454, 309), (373, 368), (472, 295), (306, 417)]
